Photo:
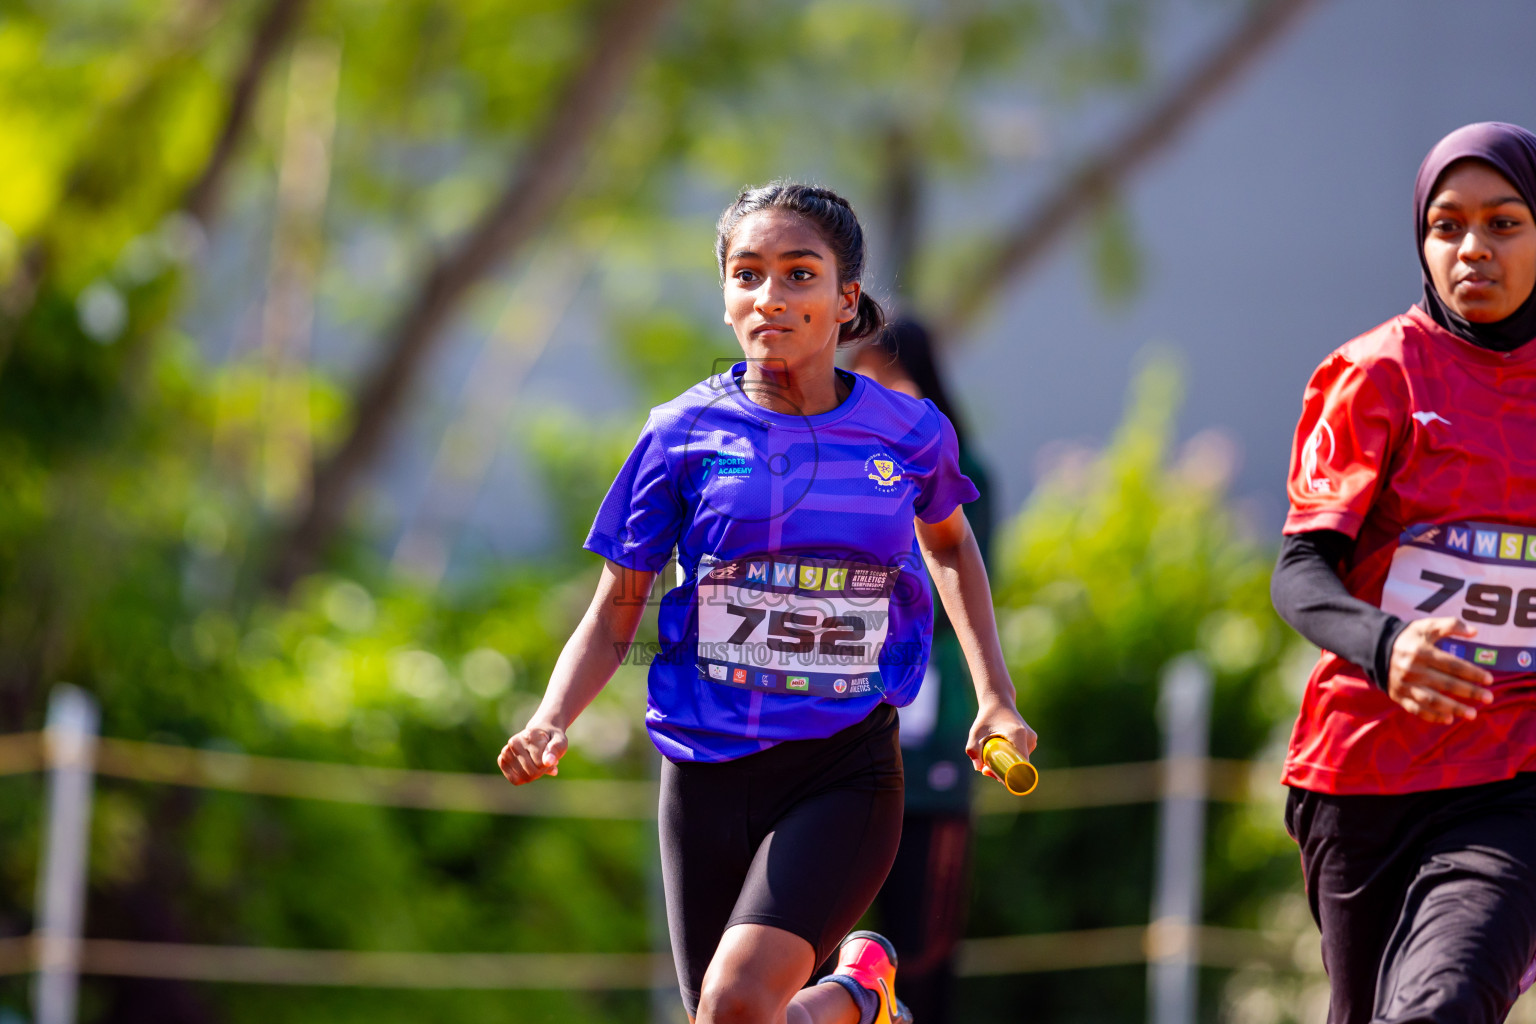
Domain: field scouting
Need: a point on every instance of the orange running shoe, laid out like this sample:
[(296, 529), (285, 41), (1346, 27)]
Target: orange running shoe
[(870, 959)]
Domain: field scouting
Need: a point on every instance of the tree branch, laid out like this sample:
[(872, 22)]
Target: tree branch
[(902, 195), (532, 193), (282, 17), (1018, 248), (19, 293)]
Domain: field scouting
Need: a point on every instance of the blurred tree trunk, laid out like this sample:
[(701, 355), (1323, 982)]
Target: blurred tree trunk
[(902, 199), (1019, 248), (150, 909), (277, 25), (294, 268), (531, 195)]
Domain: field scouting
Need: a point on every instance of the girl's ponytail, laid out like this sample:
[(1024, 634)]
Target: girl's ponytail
[(866, 323)]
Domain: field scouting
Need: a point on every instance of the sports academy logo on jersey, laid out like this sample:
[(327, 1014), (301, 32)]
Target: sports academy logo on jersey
[(883, 470), (726, 464)]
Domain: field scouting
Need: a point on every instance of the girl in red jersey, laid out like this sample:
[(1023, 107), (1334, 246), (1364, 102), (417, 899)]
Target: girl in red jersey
[(1410, 558)]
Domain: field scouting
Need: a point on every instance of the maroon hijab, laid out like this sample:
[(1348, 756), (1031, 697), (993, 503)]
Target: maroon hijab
[(1510, 150)]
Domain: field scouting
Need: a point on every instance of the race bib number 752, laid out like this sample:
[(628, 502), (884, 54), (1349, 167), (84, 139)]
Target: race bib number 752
[(1485, 574), (794, 625)]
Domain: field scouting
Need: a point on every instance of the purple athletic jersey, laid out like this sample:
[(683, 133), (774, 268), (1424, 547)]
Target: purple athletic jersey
[(796, 541)]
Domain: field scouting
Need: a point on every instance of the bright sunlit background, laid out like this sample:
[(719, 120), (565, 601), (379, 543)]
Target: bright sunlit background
[(324, 324)]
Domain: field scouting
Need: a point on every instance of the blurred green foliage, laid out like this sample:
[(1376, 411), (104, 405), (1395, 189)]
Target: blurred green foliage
[(1121, 561), (135, 450)]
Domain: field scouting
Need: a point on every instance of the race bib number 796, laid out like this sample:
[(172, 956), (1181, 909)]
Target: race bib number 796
[(1481, 572)]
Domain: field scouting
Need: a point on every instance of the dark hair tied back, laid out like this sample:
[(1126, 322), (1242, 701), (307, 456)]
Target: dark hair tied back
[(834, 218)]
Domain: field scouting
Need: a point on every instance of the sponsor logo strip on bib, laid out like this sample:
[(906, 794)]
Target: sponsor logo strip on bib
[(1483, 573), (794, 625)]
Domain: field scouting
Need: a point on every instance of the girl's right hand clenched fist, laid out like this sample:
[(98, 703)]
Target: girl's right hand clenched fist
[(531, 753)]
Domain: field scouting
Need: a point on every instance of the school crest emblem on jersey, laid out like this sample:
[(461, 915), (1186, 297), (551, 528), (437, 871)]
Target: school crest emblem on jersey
[(883, 470)]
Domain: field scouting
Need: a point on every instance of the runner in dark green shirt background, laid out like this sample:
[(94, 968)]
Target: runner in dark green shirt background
[(926, 896)]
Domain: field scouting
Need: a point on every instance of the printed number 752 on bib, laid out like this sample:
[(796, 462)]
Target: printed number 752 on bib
[(786, 614), (801, 631)]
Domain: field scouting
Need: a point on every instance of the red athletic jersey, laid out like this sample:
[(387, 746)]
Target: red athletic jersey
[(1422, 447)]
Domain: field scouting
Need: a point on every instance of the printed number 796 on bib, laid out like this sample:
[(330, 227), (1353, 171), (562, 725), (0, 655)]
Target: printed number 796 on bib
[(1500, 599), (1485, 603)]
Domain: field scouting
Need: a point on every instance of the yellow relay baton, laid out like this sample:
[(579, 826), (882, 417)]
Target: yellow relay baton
[(1012, 767)]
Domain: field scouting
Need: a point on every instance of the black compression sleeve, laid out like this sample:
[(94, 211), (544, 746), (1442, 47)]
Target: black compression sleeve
[(1309, 594)]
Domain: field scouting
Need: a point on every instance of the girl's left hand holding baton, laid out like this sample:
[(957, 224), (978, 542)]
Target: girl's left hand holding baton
[(960, 576)]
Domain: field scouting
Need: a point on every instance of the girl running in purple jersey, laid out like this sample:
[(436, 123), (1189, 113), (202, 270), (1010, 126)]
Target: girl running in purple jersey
[(808, 508)]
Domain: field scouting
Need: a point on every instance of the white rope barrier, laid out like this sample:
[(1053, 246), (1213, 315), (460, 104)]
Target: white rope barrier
[(265, 965), (21, 753), (1208, 945), (1007, 955), (344, 783), (1061, 789)]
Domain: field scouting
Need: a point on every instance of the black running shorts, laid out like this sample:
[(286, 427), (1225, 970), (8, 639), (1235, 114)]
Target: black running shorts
[(799, 837), (1426, 901)]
